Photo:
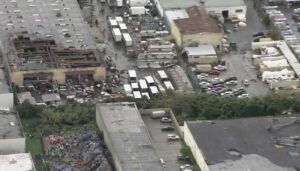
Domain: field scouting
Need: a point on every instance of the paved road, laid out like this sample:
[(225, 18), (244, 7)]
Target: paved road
[(240, 62), (165, 149), (121, 61)]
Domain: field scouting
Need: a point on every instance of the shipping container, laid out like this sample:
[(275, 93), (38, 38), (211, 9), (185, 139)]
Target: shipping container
[(132, 75), (162, 75), (169, 85), (143, 85), (117, 34), (127, 39), (137, 10), (122, 27), (150, 80), (127, 88), (113, 22), (137, 95), (158, 114)]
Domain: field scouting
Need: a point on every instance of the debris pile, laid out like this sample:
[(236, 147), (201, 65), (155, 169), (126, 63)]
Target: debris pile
[(83, 150)]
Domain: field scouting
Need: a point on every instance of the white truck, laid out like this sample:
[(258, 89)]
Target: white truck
[(119, 3), (137, 10), (117, 34), (127, 39)]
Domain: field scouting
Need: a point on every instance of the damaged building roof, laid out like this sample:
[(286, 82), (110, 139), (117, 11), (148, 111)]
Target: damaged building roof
[(38, 54), (226, 144), (199, 21)]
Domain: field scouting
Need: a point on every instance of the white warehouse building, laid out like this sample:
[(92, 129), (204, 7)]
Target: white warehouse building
[(225, 8)]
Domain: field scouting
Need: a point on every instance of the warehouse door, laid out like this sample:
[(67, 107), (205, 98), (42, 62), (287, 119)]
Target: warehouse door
[(225, 14)]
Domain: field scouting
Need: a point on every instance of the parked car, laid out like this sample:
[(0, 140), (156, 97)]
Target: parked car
[(243, 96), (204, 83), (258, 34), (230, 78), (231, 82), (217, 79), (220, 68), (214, 72), (173, 137), (181, 157), (166, 120), (246, 83), (167, 128), (184, 167), (227, 93)]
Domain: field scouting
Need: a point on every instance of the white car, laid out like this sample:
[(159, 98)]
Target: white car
[(231, 82), (220, 67), (217, 79), (185, 167), (243, 96), (227, 93), (172, 137), (204, 83), (166, 120)]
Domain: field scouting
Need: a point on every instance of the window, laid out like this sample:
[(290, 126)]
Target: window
[(239, 10)]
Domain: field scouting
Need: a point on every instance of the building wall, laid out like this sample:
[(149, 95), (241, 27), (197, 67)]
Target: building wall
[(107, 140), (7, 100), (190, 141), (214, 39), (203, 59), (159, 8), (59, 74), (11, 146), (231, 10)]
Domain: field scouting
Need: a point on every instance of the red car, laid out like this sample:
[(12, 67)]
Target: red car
[(214, 72)]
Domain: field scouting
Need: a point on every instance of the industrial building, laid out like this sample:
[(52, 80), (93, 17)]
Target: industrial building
[(17, 162), (47, 40), (6, 95), (262, 143), (12, 139), (127, 137), (226, 9), (277, 64), (198, 28), (202, 54)]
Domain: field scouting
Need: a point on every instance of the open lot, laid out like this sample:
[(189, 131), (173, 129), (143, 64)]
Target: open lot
[(164, 148)]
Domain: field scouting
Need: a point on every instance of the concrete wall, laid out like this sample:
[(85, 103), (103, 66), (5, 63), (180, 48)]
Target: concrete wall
[(285, 84), (231, 10), (10, 146), (159, 8), (214, 39), (186, 40), (203, 59), (190, 141), (7, 100), (59, 74)]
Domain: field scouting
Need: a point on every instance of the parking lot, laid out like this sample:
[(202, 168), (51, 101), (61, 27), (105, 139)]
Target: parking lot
[(239, 63), (168, 150)]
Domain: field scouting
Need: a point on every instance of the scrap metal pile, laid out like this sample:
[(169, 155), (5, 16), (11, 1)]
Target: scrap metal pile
[(83, 150)]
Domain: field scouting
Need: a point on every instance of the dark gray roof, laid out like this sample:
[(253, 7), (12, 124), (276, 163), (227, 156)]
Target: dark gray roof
[(248, 136)]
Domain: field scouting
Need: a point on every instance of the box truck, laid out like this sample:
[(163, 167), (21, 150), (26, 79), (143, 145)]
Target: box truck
[(127, 39), (117, 34)]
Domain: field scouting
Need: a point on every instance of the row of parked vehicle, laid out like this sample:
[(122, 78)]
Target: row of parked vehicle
[(222, 87)]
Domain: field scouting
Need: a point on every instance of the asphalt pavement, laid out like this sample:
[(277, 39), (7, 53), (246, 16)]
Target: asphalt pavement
[(115, 50), (164, 148), (239, 63)]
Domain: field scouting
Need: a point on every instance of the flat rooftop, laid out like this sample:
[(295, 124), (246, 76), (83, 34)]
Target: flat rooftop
[(271, 139), (61, 20), (10, 126), (129, 136), (40, 54), (17, 162), (199, 21)]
